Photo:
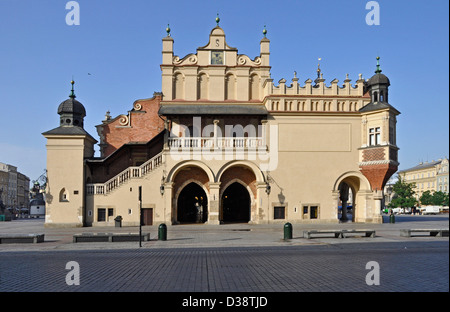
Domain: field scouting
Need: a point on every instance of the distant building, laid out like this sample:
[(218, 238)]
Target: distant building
[(15, 186), (428, 176)]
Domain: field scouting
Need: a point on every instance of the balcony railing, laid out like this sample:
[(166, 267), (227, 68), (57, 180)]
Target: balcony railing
[(124, 176), (220, 142)]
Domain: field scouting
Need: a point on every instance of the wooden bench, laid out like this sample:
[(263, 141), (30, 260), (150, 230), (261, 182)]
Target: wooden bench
[(431, 232), (109, 237), (21, 238), (338, 233)]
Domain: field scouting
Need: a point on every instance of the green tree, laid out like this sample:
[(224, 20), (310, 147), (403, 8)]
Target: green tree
[(440, 199), (404, 194), (427, 198)]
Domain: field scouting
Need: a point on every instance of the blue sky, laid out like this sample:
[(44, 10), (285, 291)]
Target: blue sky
[(118, 43)]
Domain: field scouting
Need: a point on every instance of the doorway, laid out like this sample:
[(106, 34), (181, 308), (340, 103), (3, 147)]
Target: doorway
[(192, 204), (147, 216), (235, 204)]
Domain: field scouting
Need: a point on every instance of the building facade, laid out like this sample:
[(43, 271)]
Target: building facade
[(223, 143), (15, 187), (427, 176)]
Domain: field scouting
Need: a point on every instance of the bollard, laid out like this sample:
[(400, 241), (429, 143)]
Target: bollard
[(287, 231), (162, 232), (392, 218)]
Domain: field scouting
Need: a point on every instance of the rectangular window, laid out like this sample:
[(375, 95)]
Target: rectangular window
[(377, 136), (305, 210), (311, 211), (314, 212), (371, 136), (374, 136), (101, 214), (279, 212)]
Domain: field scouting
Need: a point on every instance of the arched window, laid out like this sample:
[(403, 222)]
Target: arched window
[(63, 195), (230, 87), (254, 87), (202, 87), (375, 96), (178, 86)]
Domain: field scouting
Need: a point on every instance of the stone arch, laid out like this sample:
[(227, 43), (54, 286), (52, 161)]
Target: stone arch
[(184, 176), (189, 163), (359, 186), (242, 163), (356, 177), (247, 175)]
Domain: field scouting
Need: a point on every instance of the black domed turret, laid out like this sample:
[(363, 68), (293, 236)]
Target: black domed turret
[(379, 79), (72, 112), (72, 106), (378, 85)]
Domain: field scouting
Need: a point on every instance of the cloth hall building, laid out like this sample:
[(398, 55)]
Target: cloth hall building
[(223, 143)]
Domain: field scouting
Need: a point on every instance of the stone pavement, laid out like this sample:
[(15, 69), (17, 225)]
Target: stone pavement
[(229, 260), (227, 235)]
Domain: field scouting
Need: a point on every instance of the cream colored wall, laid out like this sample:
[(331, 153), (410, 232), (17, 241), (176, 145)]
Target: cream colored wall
[(308, 173), (422, 180), (193, 66), (65, 170), (125, 198), (313, 152)]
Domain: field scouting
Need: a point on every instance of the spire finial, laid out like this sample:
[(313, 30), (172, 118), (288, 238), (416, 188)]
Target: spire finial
[(378, 66), (72, 93), (264, 31), (217, 19), (318, 68), (168, 30)]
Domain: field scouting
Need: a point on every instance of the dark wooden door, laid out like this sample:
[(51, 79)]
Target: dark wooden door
[(147, 216)]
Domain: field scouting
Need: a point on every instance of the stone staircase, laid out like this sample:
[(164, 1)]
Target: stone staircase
[(123, 177)]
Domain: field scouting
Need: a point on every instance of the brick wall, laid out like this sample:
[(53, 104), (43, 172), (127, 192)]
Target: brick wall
[(140, 124), (378, 175), (372, 154), (244, 174), (188, 173)]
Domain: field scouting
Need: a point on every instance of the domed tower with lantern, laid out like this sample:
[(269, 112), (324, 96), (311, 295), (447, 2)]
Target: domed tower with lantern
[(378, 155), (67, 147)]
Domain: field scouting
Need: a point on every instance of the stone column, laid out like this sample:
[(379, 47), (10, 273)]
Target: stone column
[(169, 215), (214, 203), (376, 213), (335, 197), (216, 122)]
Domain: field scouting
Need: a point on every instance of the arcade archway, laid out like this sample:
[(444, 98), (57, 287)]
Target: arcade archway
[(235, 206), (192, 204), (352, 191)]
